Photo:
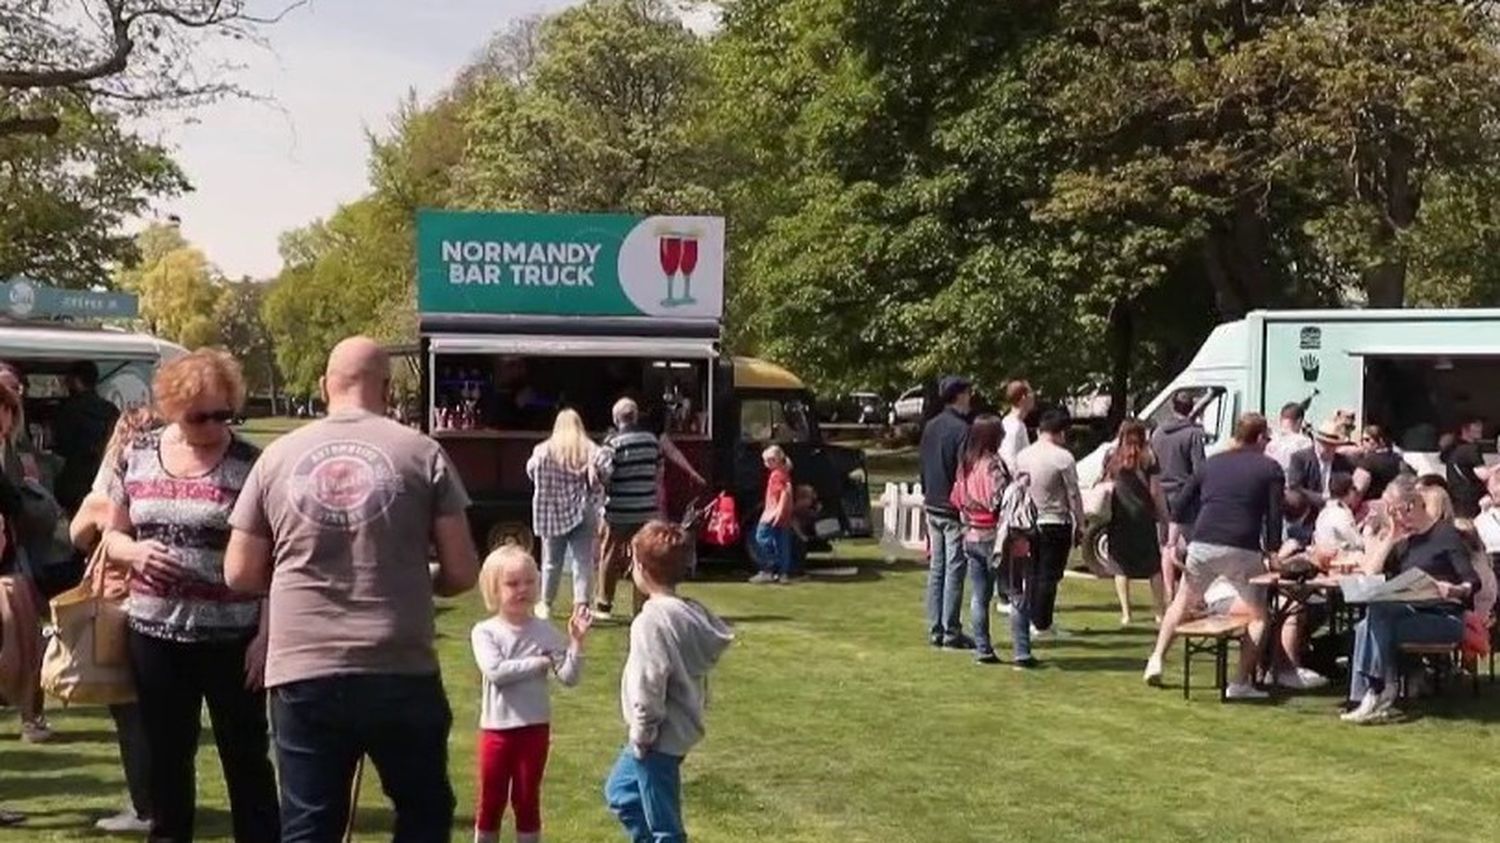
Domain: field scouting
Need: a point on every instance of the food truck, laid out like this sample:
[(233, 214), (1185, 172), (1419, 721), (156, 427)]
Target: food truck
[(522, 315), (1417, 373), (44, 330)]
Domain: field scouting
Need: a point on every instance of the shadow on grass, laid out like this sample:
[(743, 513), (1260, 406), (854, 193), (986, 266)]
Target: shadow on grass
[(744, 619), (66, 737), (19, 788), (22, 760)]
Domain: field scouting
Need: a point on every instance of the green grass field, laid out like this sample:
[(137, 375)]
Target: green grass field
[(833, 722)]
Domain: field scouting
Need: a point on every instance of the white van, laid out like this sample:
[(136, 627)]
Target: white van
[(1414, 372)]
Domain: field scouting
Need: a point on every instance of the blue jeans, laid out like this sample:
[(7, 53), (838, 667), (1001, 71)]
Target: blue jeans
[(945, 578), (325, 725), (1385, 627), (775, 544), (646, 795), (1026, 584), (577, 546), (981, 591)]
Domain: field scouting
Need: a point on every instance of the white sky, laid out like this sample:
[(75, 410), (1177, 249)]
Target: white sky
[(334, 69)]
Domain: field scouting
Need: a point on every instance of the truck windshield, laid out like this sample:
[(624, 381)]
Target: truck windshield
[(1209, 409), (775, 420)]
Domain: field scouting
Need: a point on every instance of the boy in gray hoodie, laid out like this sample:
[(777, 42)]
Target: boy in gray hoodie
[(674, 642)]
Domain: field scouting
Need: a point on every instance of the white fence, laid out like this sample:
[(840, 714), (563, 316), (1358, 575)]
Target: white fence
[(903, 522)]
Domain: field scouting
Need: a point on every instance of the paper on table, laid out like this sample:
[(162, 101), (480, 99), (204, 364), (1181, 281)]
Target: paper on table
[(1414, 586)]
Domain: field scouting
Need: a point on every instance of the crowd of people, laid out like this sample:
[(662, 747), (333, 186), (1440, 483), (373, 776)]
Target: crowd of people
[(1003, 513), (290, 590)]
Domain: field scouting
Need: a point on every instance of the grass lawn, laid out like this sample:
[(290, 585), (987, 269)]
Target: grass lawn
[(832, 720)]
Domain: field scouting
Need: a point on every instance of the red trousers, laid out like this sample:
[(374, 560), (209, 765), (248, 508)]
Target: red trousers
[(511, 763)]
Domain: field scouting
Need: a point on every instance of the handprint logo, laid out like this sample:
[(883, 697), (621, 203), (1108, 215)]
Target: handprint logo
[(1310, 368)]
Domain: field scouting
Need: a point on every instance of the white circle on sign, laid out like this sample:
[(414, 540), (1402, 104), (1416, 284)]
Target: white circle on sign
[(674, 266), (22, 297)]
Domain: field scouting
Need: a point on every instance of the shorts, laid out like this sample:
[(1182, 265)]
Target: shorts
[(1207, 562)]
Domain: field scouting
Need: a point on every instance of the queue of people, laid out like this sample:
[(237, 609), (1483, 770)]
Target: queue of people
[(296, 582), (1201, 528)]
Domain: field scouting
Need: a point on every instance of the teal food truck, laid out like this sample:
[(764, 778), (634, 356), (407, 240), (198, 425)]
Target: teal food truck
[(522, 315), (1414, 372)]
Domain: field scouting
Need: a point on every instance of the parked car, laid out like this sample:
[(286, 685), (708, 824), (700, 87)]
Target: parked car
[(868, 407), (911, 407)]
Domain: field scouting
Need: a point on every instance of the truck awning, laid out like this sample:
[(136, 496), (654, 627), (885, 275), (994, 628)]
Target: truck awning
[(1425, 351), (557, 346)]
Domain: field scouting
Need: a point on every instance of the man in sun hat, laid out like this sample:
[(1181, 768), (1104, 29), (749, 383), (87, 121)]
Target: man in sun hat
[(1311, 469)]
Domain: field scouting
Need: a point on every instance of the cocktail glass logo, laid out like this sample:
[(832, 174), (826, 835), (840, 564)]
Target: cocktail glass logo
[(678, 253), (22, 298)]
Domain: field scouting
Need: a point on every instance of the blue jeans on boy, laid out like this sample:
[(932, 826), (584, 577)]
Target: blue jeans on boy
[(1385, 627), (981, 592), (646, 795), (945, 577), (775, 545)]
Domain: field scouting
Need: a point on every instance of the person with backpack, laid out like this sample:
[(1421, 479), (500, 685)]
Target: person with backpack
[(981, 480)]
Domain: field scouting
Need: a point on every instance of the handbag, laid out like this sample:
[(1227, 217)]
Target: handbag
[(723, 528), (1098, 501), (86, 661)]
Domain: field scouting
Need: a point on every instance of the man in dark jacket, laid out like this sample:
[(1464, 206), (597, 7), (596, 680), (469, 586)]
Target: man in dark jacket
[(1311, 469), (81, 428), (942, 440), (1179, 448)]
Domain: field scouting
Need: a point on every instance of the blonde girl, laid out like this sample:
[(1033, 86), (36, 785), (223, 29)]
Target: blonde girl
[(773, 534), (568, 472), (515, 653)]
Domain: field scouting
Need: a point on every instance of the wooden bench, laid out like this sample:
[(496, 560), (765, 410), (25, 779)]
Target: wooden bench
[(1452, 660), (1209, 635)]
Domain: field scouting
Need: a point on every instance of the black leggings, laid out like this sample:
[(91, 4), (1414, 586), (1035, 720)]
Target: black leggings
[(173, 680)]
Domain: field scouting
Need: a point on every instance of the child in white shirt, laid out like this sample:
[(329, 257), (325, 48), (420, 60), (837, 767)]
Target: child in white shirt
[(515, 652)]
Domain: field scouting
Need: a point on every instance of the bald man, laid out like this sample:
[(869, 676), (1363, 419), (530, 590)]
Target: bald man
[(337, 522)]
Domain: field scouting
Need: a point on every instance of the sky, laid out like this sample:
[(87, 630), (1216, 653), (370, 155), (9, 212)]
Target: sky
[(332, 70)]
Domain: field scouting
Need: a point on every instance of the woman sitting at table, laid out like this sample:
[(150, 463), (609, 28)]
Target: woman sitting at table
[(1411, 537)]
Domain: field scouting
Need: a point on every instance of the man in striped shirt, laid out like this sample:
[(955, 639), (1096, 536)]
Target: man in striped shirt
[(630, 497)]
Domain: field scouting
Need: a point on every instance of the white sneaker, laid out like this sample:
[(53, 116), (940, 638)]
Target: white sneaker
[(125, 822), (1301, 679), (36, 731), (1244, 691), (1003, 607), (1366, 705), (1053, 633), (1153, 672), (542, 611)]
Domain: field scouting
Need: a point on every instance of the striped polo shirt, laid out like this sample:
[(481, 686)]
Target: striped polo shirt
[(631, 495), (190, 515)]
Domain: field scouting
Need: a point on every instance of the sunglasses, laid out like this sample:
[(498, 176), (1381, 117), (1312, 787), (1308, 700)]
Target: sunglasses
[(215, 416)]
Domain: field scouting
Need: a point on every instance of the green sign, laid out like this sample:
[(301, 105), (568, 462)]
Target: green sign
[(24, 298), (570, 264)]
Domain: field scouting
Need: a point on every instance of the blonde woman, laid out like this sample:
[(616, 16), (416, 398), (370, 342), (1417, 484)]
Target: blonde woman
[(568, 472)]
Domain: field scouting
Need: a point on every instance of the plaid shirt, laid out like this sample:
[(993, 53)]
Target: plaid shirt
[(564, 497)]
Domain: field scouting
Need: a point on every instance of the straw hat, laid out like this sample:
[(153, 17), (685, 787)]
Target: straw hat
[(1332, 432)]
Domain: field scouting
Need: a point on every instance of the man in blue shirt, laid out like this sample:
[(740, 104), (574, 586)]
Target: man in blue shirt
[(942, 440)]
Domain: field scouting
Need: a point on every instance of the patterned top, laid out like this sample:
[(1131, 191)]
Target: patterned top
[(191, 516), (563, 497), (634, 456)]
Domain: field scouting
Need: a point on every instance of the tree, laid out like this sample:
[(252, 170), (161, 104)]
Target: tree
[(133, 53), (243, 333), (178, 295), (601, 121), (65, 198)]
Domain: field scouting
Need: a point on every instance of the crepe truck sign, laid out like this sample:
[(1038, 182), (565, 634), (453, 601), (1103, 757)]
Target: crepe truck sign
[(570, 264)]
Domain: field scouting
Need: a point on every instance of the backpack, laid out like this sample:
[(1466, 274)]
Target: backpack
[(1017, 517), (723, 527)]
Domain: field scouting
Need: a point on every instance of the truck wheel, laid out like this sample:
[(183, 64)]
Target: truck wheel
[(511, 532), (1096, 551)]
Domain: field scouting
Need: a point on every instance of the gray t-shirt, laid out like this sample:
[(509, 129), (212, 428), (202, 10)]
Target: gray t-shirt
[(349, 503)]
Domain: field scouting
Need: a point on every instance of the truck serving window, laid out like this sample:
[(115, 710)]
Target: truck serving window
[(1418, 398), (523, 394)]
